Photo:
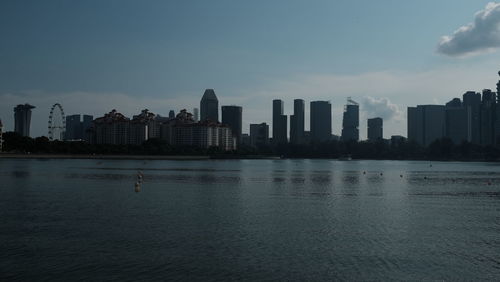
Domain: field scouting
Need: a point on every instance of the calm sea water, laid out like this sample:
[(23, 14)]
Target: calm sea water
[(249, 220)]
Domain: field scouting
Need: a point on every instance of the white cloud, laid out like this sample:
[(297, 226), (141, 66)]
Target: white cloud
[(385, 94), (480, 36), (381, 107)]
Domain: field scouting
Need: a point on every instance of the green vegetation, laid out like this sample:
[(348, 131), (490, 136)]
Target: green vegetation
[(442, 149)]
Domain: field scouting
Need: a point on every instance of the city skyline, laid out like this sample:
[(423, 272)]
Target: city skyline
[(249, 63)]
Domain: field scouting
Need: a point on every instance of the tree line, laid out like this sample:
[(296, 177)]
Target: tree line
[(441, 149)]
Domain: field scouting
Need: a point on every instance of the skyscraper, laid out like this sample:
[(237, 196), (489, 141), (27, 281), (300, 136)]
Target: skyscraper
[(76, 128), (171, 114), (1, 135), (456, 121), (73, 128), (209, 106), (321, 121), (297, 122), (22, 119), (472, 102), (232, 116), (279, 123), (375, 129), (350, 121), (259, 134), (196, 115), (487, 119), (497, 115), (426, 123)]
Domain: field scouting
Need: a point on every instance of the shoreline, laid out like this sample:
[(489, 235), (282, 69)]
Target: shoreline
[(101, 157), (133, 157), (199, 157)]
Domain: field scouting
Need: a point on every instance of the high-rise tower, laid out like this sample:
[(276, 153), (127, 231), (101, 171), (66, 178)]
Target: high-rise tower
[(297, 122), (232, 116), (209, 106), (350, 121), (321, 121), (279, 123), (22, 119), (472, 103), (375, 129), (1, 136), (196, 115)]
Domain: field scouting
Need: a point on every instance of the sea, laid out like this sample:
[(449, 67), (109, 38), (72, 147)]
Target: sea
[(248, 220)]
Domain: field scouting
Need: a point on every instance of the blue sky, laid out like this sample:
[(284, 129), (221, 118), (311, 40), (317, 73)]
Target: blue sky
[(93, 56)]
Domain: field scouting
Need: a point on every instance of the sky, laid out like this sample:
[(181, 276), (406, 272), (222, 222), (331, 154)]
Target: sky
[(94, 56)]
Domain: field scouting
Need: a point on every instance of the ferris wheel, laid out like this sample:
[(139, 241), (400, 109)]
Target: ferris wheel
[(57, 125)]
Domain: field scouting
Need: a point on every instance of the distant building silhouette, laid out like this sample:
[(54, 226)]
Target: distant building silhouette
[(259, 134), (488, 117), (350, 121), (426, 123), (115, 128), (1, 136), (209, 106), (297, 122), (375, 129), (76, 128), (279, 123), (183, 131), (456, 123), (22, 119), (396, 140), (320, 121), (232, 116), (196, 115), (171, 114), (112, 128), (472, 103), (245, 139)]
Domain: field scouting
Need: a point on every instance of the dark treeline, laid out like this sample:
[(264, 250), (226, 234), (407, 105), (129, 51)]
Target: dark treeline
[(442, 149)]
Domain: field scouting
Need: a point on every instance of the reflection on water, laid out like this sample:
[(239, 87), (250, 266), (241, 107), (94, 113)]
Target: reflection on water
[(249, 220)]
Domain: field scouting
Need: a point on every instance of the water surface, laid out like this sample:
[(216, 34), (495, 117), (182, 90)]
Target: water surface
[(249, 220)]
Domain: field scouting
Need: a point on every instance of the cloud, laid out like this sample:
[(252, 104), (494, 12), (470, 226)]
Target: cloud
[(380, 107), (480, 36), (384, 94)]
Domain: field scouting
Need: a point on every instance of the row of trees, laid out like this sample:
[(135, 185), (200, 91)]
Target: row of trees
[(442, 149)]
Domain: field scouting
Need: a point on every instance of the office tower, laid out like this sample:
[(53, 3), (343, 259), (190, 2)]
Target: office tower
[(456, 121), (426, 123), (498, 87), (472, 102), (259, 134), (245, 139), (487, 120), (320, 121), (350, 121), (171, 114), (232, 116), (74, 128), (22, 119), (375, 129), (209, 106), (279, 123), (1, 135), (297, 122), (196, 115), (497, 115), (86, 124)]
